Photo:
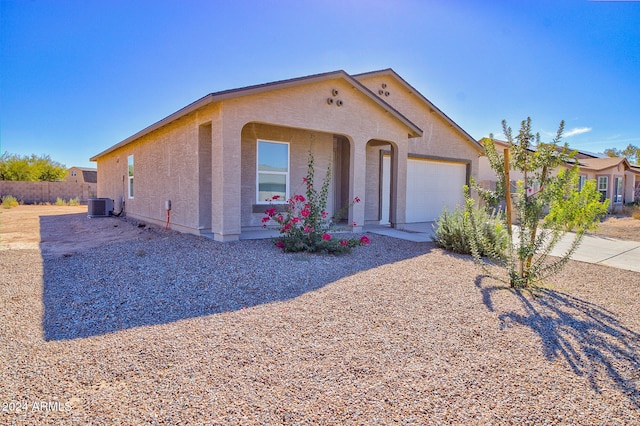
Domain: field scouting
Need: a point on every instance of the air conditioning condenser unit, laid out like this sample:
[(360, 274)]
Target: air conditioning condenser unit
[(100, 207)]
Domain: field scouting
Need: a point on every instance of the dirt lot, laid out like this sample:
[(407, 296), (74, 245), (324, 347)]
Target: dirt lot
[(32, 227), (625, 228)]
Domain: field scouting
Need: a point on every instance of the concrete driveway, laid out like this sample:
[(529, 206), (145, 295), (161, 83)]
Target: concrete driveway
[(612, 252)]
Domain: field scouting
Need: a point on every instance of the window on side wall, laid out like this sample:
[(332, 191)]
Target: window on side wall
[(617, 195), (130, 167), (581, 182), (272, 177), (603, 186)]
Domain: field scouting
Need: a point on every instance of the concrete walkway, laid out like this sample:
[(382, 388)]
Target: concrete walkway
[(612, 252)]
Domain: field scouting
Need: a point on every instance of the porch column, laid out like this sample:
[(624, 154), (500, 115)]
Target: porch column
[(399, 158), (226, 184), (357, 180)]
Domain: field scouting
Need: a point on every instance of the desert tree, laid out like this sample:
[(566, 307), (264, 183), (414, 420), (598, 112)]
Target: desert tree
[(30, 168), (546, 205)]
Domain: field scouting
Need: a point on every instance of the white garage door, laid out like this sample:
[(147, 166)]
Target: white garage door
[(431, 186)]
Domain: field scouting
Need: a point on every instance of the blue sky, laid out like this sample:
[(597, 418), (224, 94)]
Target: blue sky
[(79, 76)]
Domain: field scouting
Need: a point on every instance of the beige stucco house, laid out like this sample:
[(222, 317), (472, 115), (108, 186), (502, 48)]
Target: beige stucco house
[(615, 178), (220, 157)]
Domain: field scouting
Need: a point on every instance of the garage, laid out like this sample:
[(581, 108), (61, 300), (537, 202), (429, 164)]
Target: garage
[(431, 186)]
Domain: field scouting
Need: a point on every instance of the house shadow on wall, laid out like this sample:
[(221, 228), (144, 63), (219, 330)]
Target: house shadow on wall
[(161, 277), (590, 338)]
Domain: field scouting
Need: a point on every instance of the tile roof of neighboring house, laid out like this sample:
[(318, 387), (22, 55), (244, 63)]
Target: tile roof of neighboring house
[(597, 164), (261, 88), (89, 169), (90, 176), (583, 157)]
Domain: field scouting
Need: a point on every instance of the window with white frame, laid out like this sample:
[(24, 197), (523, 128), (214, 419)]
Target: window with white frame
[(581, 181), (617, 194), (603, 186), (272, 176), (130, 172)]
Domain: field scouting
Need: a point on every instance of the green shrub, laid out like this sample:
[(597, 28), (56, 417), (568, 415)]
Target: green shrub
[(453, 232), (60, 202), (74, 201), (9, 201)]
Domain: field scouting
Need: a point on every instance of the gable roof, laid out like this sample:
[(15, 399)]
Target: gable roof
[(414, 130), (90, 176), (585, 159), (412, 90), (598, 164), (90, 169)]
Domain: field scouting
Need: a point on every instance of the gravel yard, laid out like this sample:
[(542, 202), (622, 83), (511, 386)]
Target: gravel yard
[(165, 328)]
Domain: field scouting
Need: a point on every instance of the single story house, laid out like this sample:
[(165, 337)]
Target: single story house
[(616, 178), (218, 159)]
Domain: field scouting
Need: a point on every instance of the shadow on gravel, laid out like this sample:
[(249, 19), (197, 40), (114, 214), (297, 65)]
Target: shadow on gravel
[(161, 277), (587, 336)]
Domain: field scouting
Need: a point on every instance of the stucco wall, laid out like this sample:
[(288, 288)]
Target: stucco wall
[(165, 168), (439, 139)]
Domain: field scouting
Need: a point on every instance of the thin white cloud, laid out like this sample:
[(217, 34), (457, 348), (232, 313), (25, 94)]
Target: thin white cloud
[(577, 131)]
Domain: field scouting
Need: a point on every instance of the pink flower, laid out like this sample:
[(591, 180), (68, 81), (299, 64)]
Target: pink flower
[(354, 224), (308, 229), (305, 179), (265, 219), (324, 215), (364, 240), (286, 227), (300, 198), (280, 218), (275, 197), (305, 213), (295, 220), (357, 199), (280, 244), (326, 236), (343, 243), (270, 212)]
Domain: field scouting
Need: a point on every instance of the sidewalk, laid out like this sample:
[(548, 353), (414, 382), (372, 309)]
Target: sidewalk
[(612, 252)]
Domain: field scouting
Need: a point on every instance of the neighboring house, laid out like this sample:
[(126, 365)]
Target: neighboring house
[(81, 175), (616, 179), (635, 169), (219, 158)]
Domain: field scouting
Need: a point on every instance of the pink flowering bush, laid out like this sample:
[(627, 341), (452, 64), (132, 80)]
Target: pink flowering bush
[(305, 225)]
